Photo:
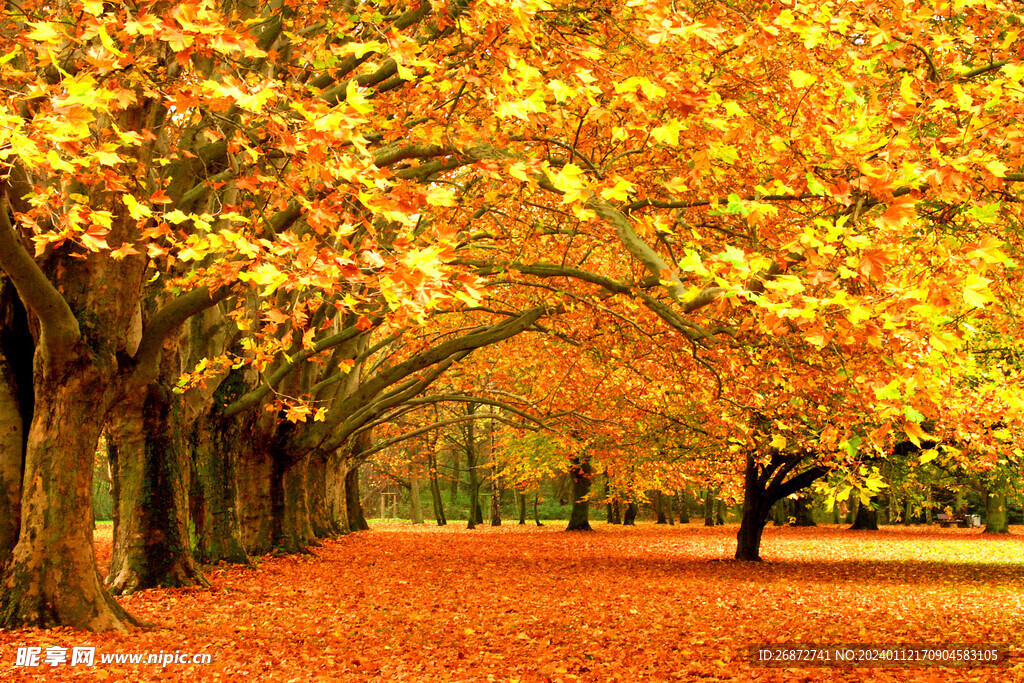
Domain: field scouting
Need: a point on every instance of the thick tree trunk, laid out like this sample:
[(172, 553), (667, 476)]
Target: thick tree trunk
[(11, 461), (415, 504), (51, 577), (748, 540), (719, 512), (684, 507), (996, 521), (866, 519), (435, 491), (16, 398), (149, 475), (337, 499), (292, 527), (756, 506), (322, 496), (356, 519), (629, 517), (521, 502), (582, 475), (216, 443), (763, 486)]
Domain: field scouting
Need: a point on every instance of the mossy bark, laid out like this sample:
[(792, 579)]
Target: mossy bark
[(50, 578), (215, 443), (996, 521), (150, 472)]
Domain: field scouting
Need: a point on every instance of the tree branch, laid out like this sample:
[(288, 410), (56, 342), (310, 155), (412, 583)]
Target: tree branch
[(58, 325), (163, 323)]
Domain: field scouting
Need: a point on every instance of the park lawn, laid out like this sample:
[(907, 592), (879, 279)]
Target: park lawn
[(405, 603)]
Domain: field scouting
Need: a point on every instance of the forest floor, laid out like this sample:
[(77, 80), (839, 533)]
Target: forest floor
[(511, 603)]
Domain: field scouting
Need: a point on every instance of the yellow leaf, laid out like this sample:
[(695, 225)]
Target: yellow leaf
[(356, 99), (620, 192), (568, 179), (44, 32), (989, 252), (58, 164), (135, 209), (914, 432), (802, 79), (976, 292), (943, 342), (108, 43), (440, 196), (997, 168), (518, 171), (668, 134), (778, 442)]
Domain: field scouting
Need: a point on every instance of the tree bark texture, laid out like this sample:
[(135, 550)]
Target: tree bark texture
[(996, 521), (150, 483), (582, 475)]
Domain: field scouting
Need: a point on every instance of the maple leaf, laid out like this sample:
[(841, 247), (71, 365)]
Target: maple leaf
[(901, 209)]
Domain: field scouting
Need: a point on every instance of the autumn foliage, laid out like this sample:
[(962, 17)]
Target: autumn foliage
[(527, 604)]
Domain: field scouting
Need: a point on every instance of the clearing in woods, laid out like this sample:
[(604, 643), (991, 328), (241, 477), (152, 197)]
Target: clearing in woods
[(405, 603)]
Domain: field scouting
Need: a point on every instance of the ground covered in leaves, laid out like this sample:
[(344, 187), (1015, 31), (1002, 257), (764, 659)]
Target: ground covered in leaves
[(404, 603)]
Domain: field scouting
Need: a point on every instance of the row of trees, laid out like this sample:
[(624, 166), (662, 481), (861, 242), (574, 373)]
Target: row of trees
[(256, 243)]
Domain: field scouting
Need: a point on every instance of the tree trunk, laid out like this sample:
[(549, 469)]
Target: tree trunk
[(16, 399), (356, 519), (763, 486), (756, 506), (415, 504), (709, 508), (521, 501), (659, 507), (150, 482), (50, 578), (216, 444), (780, 513), (719, 512), (582, 472), (629, 518), (475, 513), (536, 512), (11, 460), (337, 491), (996, 521), (453, 490), (327, 495), (684, 507), (435, 491), (495, 502), (292, 527), (866, 519), (802, 512)]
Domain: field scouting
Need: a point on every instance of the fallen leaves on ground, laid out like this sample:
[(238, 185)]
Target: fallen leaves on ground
[(405, 603)]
